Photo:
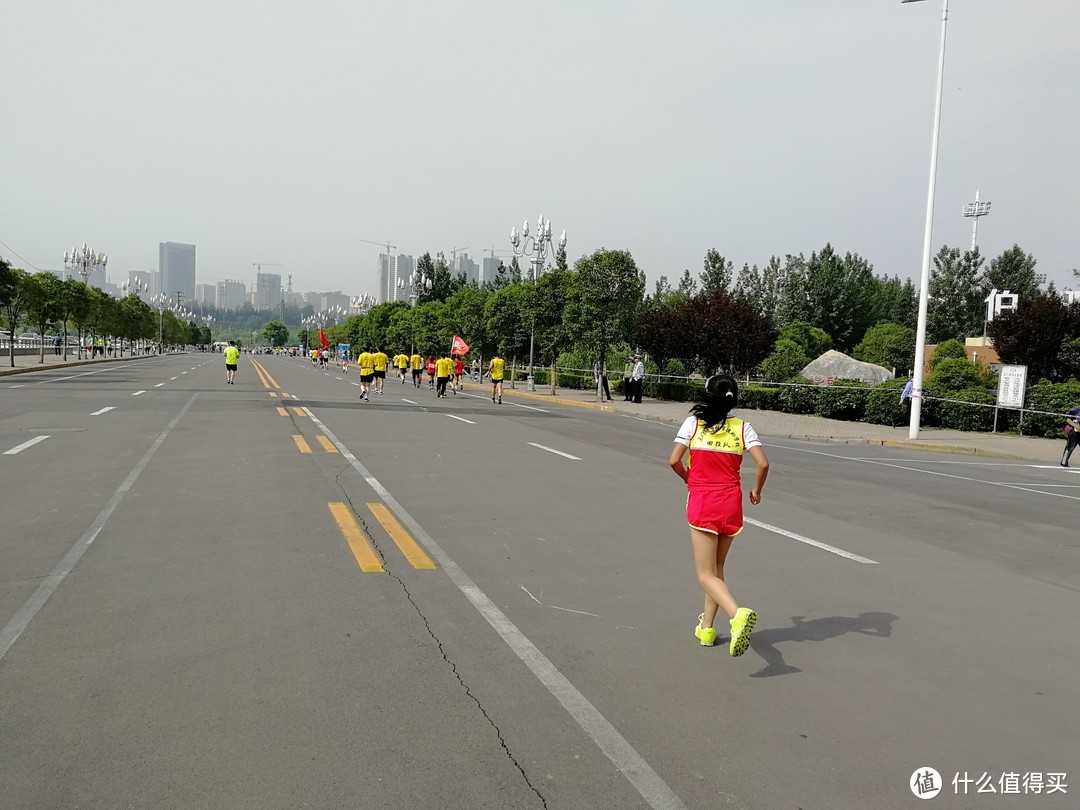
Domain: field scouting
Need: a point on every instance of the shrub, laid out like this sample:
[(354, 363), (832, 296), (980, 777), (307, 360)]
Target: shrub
[(673, 391), (958, 375), (959, 416), (1056, 398), (759, 397), (800, 398), (674, 368), (787, 360), (846, 399), (888, 344), (813, 341), (947, 350), (883, 405)]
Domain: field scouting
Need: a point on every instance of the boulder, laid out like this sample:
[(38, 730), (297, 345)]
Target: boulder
[(835, 365)]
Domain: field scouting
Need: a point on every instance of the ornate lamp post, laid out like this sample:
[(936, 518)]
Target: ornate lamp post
[(537, 249), (85, 261)]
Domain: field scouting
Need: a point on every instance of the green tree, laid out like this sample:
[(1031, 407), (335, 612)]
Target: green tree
[(896, 301), (813, 341), (546, 307), (506, 320), (465, 311), (952, 375), (606, 295), (889, 345), (761, 288), (956, 296), (1014, 271), (135, 320), (786, 361), (276, 333), (40, 292), (12, 304), (688, 287), (717, 273), (425, 269), (560, 258), (947, 350)]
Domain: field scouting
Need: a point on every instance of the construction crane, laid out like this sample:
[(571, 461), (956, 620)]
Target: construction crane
[(386, 245), (260, 265)]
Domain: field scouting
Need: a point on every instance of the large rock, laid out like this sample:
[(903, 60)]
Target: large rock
[(836, 365)]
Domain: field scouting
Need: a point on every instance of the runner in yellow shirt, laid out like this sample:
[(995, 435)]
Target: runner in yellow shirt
[(401, 362), (497, 368), (232, 358), (381, 362), (443, 367), (366, 361), (416, 363)]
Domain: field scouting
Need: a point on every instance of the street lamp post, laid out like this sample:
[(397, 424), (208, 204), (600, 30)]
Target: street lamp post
[(924, 283), (537, 248), (85, 261), (418, 282)]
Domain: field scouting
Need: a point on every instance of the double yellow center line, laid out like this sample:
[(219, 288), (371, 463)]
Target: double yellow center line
[(264, 375), (361, 548)]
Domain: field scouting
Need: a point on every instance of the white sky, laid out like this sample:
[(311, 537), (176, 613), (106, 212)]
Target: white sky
[(283, 132)]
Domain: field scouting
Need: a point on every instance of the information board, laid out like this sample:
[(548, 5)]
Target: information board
[(1012, 382)]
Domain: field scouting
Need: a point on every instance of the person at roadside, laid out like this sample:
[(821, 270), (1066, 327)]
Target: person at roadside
[(599, 373), (416, 363), (496, 368), (627, 374), (716, 442), (637, 379), (232, 359), (1072, 434), (366, 362)]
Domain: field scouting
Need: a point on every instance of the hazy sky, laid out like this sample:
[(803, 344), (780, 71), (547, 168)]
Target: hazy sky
[(283, 132)]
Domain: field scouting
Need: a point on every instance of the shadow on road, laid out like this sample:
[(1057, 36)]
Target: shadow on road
[(764, 642)]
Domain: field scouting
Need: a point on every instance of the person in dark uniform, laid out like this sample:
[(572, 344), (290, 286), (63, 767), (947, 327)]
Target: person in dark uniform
[(1072, 434)]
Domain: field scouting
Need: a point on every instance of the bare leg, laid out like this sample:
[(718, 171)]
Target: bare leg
[(710, 552)]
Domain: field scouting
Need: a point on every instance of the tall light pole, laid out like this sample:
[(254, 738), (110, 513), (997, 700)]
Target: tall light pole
[(85, 261), (924, 283), (537, 248), (975, 210)]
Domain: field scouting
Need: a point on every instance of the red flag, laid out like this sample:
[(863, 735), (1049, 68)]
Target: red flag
[(459, 347), (322, 339)]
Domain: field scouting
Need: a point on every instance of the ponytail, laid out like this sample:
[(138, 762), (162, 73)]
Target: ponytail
[(720, 398)]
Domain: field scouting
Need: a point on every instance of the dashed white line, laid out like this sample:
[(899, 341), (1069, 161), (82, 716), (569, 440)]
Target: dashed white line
[(528, 407), (138, 392), (103, 410), (809, 542), (16, 450), (159, 385), (461, 419), (409, 401), (173, 378), (556, 452), (21, 385)]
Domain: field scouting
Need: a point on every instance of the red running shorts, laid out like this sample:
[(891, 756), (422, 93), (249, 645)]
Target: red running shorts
[(717, 511)]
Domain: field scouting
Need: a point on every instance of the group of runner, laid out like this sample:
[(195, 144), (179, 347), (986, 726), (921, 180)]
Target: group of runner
[(444, 372)]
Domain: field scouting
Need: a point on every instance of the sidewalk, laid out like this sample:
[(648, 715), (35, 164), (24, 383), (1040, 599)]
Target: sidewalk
[(25, 363), (777, 425)]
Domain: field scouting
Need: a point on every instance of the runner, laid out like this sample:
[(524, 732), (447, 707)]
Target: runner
[(417, 363), (366, 361), (381, 362), (459, 369), (714, 510), (443, 367), (496, 368), (344, 361), (314, 358), (232, 357), (324, 358), (401, 362), (430, 368)]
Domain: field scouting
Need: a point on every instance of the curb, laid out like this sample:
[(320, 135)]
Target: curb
[(8, 372)]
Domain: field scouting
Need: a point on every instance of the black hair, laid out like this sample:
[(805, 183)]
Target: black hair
[(720, 398)]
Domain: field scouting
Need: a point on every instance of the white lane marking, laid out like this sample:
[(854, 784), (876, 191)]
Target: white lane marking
[(159, 385), (929, 472), (528, 407), (183, 372), (409, 401), (570, 610), (173, 378), (460, 419), (337, 378), (809, 542), (103, 410), (16, 450), (352, 383), (89, 373), (138, 392), (21, 385), (615, 747), (556, 452), (14, 628)]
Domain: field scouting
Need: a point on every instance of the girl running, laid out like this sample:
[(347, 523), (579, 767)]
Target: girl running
[(716, 442), (430, 368)]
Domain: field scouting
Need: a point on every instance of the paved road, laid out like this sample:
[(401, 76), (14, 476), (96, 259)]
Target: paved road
[(185, 618)]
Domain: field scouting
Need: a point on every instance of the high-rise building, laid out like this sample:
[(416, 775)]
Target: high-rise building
[(176, 263), (333, 299), (230, 294), (392, 268), (206, 294), (489, 271), (267, 291), (463, 265)]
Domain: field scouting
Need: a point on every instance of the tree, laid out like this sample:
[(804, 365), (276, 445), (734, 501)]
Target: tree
[(1038, 334), (660, 333), (560, 257), (39, 293), (727, 334), (687, 285), (896, 301), (1014, 271), (956, 296), (134, 321), (465, 310), (77, 298), (12, 304), (813, 341), (546, 304), (506, 320), (425, 269), (717, 272), (606, 296), (786, 361), (889, 345), (276, 333)]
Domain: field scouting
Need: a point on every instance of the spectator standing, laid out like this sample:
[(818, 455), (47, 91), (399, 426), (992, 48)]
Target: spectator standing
[(637, 379), (1072, 434)]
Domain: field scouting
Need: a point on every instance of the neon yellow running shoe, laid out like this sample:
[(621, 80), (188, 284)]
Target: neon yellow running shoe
[(741, 626), (706, 635)]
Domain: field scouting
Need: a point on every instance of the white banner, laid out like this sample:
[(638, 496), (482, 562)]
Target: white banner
[(1012, 383)]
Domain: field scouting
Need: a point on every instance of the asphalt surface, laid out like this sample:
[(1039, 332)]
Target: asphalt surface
[(184, 622)]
